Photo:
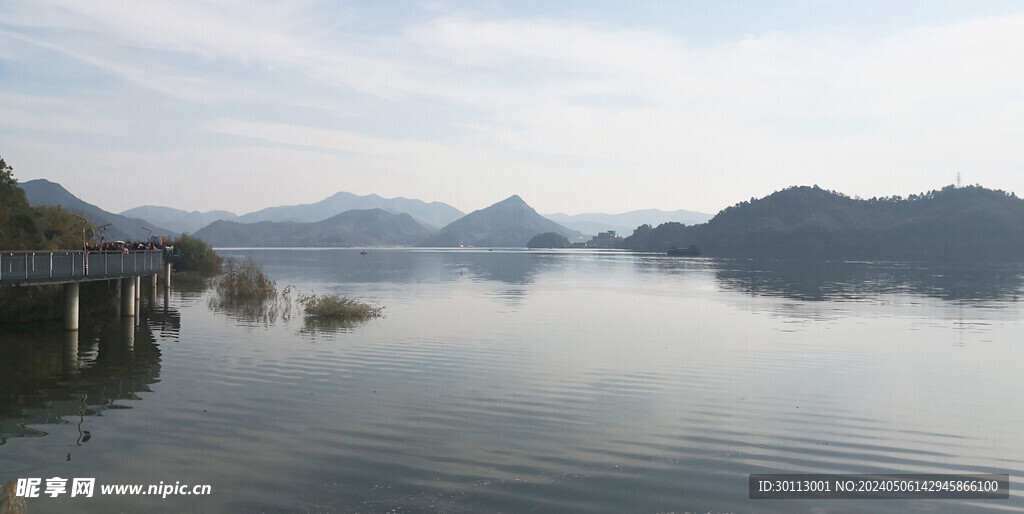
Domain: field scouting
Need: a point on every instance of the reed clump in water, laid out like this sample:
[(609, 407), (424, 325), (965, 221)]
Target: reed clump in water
[(243, 291), (244, 282), (10, 502), (337, 308)]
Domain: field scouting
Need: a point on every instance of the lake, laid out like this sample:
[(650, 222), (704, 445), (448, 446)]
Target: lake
[(540, 381)]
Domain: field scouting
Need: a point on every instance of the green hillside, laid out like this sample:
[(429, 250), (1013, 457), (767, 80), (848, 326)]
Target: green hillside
[(966, 223)]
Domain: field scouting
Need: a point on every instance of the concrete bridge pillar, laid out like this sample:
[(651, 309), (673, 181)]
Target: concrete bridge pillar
[(152, 291), (138, 300), (128, 297), (71, 306), (128, 333), (114, 286), (70, 363)]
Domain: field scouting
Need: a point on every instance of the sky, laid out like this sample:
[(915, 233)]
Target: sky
[(576, 106)]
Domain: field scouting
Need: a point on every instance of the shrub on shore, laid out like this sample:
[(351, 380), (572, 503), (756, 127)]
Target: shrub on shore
[(31, 303), (194, 254)]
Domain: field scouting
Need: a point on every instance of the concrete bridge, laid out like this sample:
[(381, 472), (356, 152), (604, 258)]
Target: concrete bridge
[(72, 268)]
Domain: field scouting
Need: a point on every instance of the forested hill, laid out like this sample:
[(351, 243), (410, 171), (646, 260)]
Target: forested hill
[(966, 223)]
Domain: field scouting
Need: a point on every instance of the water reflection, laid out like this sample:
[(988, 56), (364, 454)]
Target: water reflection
[(282, 307), (348, 272), (511, 267), (840, 281), (346, 265), (49, 376), (163, 319), (315, 327), (628, 383), (254, 310), (249, 311), (672, 265)]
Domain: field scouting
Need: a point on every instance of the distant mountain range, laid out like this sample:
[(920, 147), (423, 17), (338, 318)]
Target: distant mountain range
[(357, 227), (952, 224), (623, 224), (124, 228), (433, 215), (508, 223), (177, 219), (394, 221)]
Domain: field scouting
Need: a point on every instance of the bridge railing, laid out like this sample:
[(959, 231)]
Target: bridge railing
[(27, 268)]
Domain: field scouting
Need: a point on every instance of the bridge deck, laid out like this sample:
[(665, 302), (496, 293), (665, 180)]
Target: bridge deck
[(35, 268)]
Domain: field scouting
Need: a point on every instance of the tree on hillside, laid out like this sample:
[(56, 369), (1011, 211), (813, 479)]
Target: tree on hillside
[(967, 223), (6, 175), (16, 224), (661, 238), (23, 227)]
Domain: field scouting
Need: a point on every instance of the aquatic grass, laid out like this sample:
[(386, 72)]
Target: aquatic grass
[(333, 313), (335, 307), (244, 282), (245, 292)]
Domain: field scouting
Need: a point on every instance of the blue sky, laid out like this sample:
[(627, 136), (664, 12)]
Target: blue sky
[(575, 106)]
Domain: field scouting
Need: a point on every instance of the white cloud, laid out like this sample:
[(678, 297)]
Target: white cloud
[(294, 135), (46, 114), (268, 37), (161, 79), (563, 102), (244, 31)]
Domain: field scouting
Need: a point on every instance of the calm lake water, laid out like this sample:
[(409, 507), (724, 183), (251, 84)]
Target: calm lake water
[(523, 381)]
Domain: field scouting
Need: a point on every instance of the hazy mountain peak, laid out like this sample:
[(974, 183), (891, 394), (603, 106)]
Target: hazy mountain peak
[(350, 228), (434, 213), (514, 200), (508, 223), (513, 203), (176, 219)]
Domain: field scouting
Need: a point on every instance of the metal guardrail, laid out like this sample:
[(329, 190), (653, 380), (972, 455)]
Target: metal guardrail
[(29, 268)]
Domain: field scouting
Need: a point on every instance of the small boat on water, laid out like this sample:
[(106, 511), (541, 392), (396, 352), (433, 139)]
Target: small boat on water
[(689, 251), (364, 252)]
